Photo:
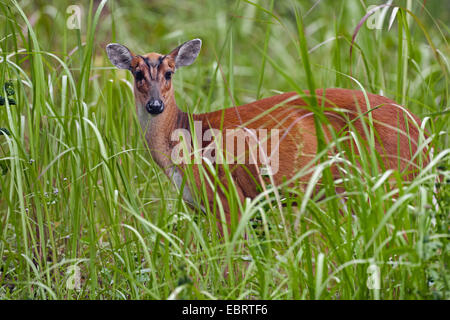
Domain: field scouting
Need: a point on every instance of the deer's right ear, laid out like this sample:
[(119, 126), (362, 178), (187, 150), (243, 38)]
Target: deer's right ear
[(119, 55)]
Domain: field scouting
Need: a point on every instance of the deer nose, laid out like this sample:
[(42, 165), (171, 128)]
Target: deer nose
[(155, 106)]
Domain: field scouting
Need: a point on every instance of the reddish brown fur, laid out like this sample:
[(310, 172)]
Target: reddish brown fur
[(295, 121), (388, 143)]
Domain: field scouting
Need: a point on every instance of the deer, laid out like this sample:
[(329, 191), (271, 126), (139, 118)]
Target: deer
[(289, 115)]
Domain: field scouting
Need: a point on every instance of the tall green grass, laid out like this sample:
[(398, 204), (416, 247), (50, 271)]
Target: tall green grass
[(81, 198)]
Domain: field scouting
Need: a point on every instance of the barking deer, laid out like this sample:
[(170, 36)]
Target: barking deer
[(285, 121)]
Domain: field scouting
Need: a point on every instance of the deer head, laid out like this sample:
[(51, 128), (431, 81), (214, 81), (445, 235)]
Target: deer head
[(153, 72)]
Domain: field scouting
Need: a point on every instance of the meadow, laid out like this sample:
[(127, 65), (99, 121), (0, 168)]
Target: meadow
[(85, 213)]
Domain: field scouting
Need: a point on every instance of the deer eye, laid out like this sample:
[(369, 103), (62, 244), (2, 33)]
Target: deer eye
[(168, 75), (139, 75)]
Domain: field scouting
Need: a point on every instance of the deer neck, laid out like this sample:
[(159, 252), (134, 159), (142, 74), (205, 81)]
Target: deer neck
[(158, 131)]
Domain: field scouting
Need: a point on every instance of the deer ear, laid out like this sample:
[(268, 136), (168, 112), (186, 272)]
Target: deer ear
[(185, 54), (119, 55)]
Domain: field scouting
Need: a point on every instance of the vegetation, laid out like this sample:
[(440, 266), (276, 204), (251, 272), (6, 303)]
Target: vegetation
[(86, 214)]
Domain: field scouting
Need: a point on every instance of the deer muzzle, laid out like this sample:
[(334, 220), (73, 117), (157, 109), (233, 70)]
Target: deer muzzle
[(155, 106)]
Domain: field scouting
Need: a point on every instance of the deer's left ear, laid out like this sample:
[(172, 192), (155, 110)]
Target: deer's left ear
[(119, 55), (185, 54)]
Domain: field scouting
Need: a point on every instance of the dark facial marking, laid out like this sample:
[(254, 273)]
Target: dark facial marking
[(139, 75), (160, 60), (168, 75), (151, 65)]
